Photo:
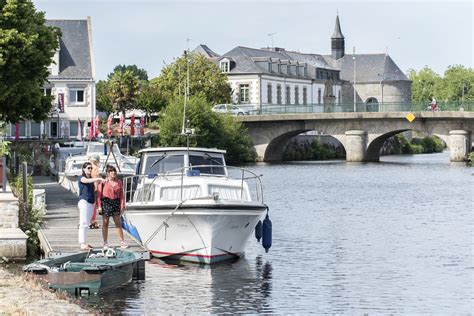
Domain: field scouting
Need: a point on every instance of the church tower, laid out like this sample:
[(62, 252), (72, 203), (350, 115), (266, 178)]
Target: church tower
[(337, 41)]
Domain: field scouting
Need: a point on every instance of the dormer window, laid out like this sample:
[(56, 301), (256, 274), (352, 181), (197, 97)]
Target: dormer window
[(225, 66)]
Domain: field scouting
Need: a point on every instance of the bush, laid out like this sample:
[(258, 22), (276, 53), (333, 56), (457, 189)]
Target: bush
[(29, 216)]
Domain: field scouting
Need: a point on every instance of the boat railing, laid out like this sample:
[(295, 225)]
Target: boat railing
[(141, 188)]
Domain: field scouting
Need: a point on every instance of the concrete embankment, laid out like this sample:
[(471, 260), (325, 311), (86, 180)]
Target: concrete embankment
[(20, 296)]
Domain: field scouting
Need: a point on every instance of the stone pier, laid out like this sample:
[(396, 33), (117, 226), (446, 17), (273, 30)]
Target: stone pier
[(460, 144), (356, 145), (12, 238)]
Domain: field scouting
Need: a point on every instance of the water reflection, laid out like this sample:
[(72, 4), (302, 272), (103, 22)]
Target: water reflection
[(190, 288)]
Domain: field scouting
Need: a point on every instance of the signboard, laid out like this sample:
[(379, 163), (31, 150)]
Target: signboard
[(61, 102)]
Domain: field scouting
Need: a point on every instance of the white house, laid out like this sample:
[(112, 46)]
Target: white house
[(71, 82), (271, 77)]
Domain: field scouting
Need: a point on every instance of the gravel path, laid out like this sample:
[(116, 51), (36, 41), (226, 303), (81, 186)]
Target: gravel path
[(19, 296)]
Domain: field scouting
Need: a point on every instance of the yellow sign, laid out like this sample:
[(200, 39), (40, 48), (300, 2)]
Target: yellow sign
[(410, 117)]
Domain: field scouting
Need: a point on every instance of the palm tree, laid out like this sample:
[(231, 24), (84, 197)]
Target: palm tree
[(123, 88)]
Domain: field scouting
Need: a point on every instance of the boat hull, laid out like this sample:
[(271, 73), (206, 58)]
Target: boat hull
[(196, 233)]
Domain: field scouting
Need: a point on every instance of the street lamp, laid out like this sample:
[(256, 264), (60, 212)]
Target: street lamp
[(354, 86)]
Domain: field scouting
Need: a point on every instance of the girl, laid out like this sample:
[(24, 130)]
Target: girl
[(111, 203), (86, 202)]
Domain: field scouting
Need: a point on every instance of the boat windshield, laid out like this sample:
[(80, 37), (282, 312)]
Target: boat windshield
[(162, 163), (216, 164), (99, 149)]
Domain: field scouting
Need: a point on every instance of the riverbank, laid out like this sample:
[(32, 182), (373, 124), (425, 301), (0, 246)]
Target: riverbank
[(20, 296)]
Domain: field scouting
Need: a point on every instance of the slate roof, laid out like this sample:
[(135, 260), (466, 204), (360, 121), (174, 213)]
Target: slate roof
[(75, 55), (255, 61), (337, 30), (369, 68), (206, 51)]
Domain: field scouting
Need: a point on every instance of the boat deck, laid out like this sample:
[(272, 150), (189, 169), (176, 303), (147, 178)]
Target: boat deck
[(59, 231)]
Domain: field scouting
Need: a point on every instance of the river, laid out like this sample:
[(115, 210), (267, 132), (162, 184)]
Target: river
[(379, 238)]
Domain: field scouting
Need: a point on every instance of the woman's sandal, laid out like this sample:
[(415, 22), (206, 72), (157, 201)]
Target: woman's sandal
[(94, 225), (86, 247)]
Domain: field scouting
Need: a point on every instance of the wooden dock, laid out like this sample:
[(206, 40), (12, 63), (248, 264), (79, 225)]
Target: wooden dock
[(59, 229)]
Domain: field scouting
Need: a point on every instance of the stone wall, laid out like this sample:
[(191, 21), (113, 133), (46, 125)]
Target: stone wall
[(12, 239)]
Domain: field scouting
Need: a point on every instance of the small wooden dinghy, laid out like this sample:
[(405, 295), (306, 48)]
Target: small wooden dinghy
[(88, 273)]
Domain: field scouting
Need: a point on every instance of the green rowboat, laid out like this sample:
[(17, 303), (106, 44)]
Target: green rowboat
[(88, 273)]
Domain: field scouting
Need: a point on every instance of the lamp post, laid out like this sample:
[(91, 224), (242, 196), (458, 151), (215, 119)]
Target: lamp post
[(354, 86)]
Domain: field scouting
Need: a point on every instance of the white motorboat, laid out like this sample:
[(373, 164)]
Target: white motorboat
[(186, 204), (125, 164), (108, 153)]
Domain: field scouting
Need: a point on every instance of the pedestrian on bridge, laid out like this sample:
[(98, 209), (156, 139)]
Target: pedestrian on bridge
[(434, 105)]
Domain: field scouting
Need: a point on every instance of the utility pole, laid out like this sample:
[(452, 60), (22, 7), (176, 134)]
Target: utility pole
[(354, 86)]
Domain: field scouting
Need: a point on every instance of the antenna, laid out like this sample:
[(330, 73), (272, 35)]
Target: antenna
[(271, 35), (186, 94)]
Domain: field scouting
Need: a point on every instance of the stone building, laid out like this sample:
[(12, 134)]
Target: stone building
[(275, 76)]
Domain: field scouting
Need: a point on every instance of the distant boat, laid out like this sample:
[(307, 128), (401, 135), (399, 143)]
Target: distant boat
[(88, 273), (109, 155), (186, 205)]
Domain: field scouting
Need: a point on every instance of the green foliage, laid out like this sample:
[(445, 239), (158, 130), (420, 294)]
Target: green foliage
[(470, 159), (456, 84), (211, 130), (122, 89), (140, 73), (312, 151), (429, 144), (29, 216), (204, 77), (102, 100), (4, 148), (26, 49), (149, 99)]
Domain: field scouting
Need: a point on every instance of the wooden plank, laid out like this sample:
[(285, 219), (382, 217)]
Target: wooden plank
[(59, 228)]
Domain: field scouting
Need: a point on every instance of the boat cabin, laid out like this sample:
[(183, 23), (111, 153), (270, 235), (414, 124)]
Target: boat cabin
[(154, 161)]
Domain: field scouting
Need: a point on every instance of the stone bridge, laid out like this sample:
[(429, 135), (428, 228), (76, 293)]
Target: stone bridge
[(361, 134)]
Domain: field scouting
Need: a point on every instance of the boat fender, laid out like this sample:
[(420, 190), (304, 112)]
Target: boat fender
[(258, 231), (267, 233)]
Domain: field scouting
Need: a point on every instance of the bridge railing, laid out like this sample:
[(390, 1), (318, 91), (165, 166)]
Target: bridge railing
[(268, 109)]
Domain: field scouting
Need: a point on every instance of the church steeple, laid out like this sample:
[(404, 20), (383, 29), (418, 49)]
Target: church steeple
[(337, 41)]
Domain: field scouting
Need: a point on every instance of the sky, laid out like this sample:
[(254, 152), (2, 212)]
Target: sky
[(152, 33)]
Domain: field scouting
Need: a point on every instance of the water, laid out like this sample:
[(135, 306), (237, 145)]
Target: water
[(389, 237)]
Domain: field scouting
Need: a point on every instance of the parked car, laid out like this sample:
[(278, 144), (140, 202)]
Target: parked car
[(230, 109)]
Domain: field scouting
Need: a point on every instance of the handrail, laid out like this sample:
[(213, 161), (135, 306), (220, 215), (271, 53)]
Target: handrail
[(139, 190)]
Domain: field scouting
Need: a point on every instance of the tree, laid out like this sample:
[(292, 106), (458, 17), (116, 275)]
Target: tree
[(140, 73), (27, 46), (204, 77), (122, 90), (102, 101), (211, 129), (149, 99), (456, 78), (425, 84)]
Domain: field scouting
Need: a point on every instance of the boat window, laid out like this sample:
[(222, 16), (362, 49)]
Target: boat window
[(156, 164), (216, 164)]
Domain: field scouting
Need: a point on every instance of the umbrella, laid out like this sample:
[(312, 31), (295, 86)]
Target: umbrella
[(79, 130), (91, 130), (142, 126), (109, 125), (132, 125), (122, 120), (17, 131), (97, 126), (63, 127), (41, 128)]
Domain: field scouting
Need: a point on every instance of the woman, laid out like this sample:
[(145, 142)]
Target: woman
[(95, 161), (111, 203), (86, 202)]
